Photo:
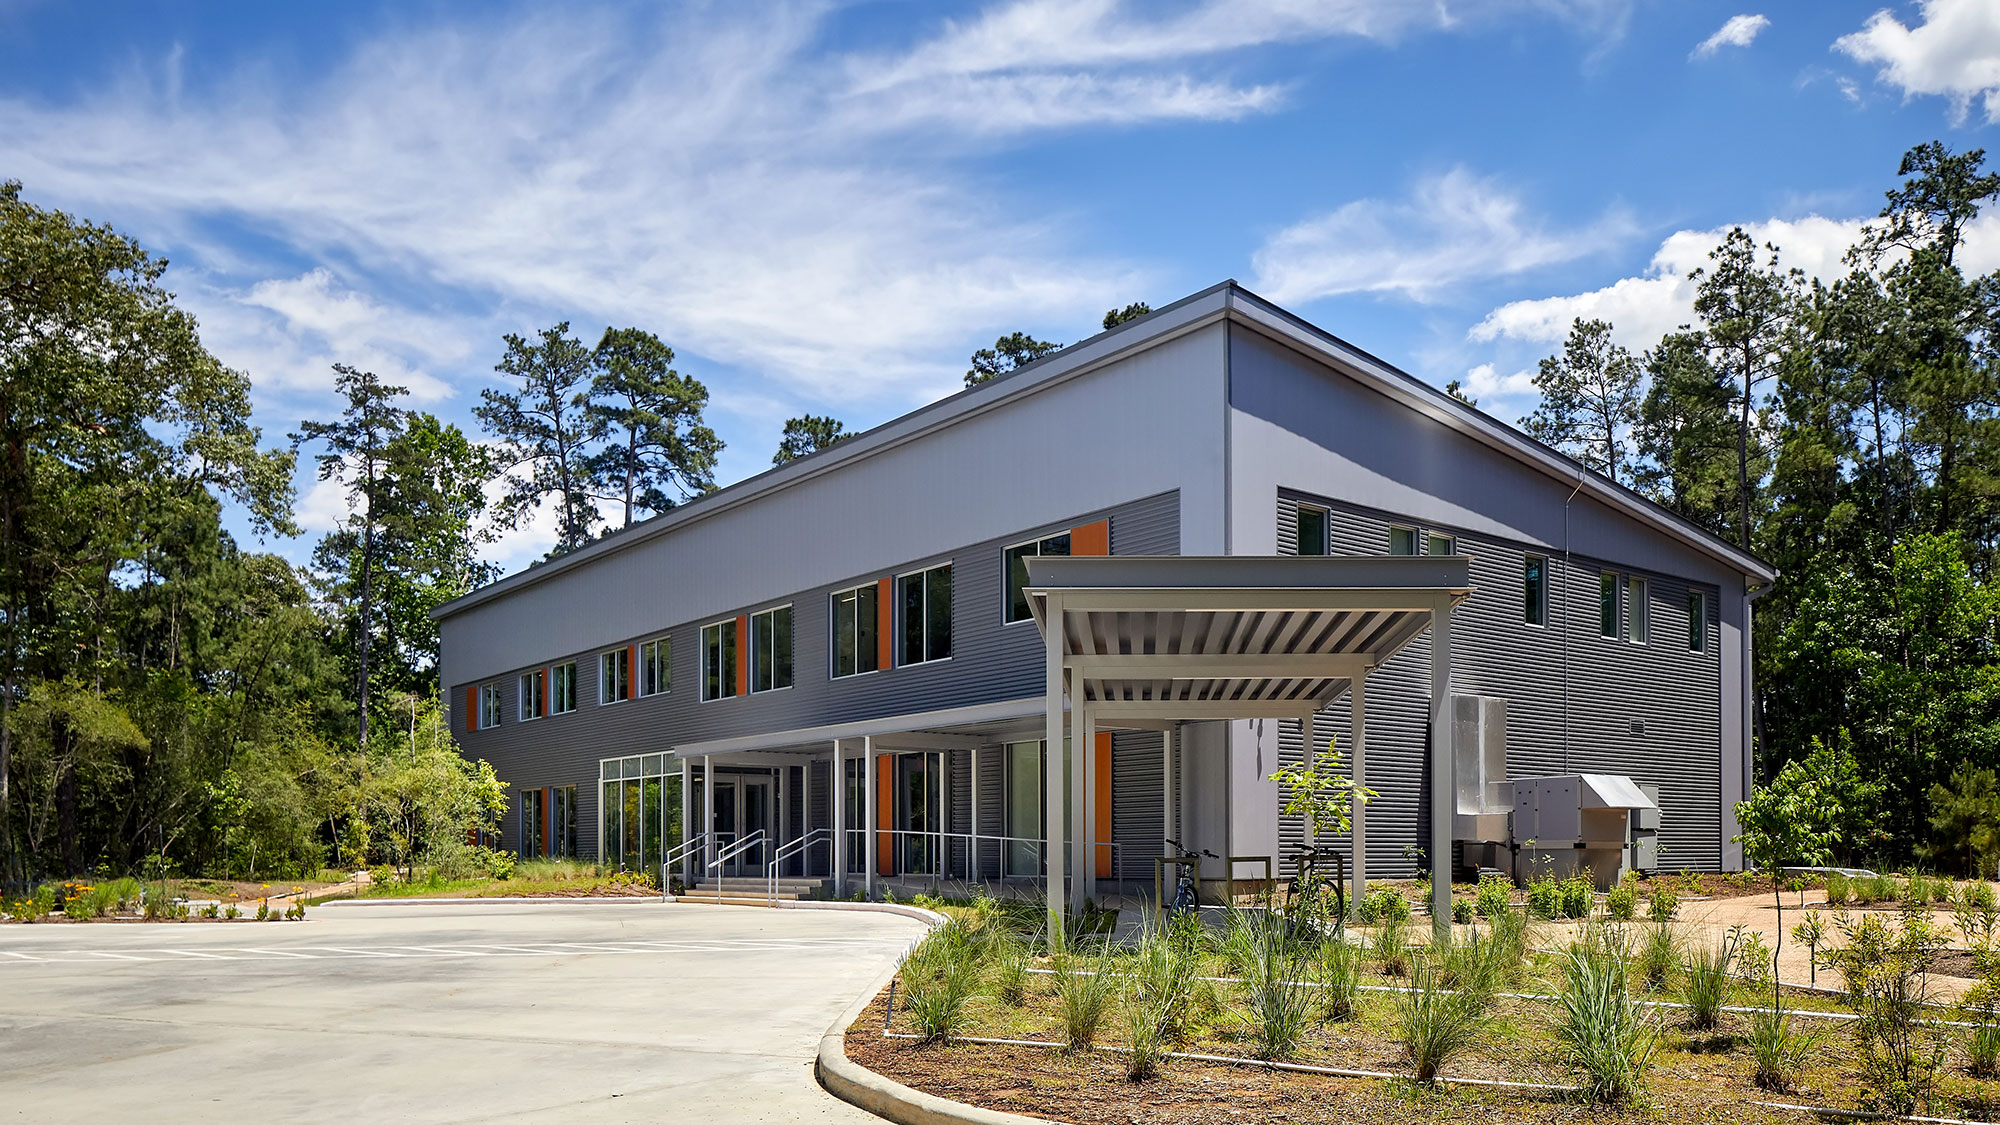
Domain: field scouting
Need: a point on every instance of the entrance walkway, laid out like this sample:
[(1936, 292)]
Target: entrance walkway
[(619, 1011)]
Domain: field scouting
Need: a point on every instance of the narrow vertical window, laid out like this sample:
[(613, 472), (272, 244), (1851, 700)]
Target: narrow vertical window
[(1535, 590), (534, 695), (614, 676), (1440, 545), (655, 671), (564, 689), (1697, 621), (1402, 540), (1311, 534), (855, 646), (718, 660), (771, 649), (926, 626), (1016, 561), (1607, 604), (1635, 610), (489, 705)]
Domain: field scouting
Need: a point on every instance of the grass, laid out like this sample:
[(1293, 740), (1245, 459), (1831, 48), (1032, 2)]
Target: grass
[(1603, 1033), (1705, 982), (1337, 969), (1084, 995), (1275, 989), (1781, 1046), (1436, 1024), (940, 978)]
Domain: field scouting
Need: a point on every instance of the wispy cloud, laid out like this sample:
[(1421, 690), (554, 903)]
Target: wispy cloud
[(1737, 31), (1454, 228), (1953, 52)]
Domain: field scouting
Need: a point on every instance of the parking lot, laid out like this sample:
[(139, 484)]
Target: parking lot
[(619, 1011)]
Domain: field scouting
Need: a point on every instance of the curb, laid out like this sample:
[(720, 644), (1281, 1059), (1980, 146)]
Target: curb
[(884, 1097), (509, 900)]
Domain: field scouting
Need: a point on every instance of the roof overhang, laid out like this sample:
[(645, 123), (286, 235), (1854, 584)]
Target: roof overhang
[(1188, 638)]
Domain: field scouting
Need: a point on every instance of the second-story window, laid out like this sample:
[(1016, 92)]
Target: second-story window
[(1607, 604), (614, 676), (1635, 610), (1697, 621), (1017, 570), (562, 691), (856, 648), (1535, 590), (1402, 540), (926, 607), (489, 705), (655, 666), (771, 649), (1311, 534), (534, 700), (718, 660)]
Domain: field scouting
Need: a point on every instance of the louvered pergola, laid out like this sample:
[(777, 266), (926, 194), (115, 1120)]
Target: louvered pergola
[(1150, 642)]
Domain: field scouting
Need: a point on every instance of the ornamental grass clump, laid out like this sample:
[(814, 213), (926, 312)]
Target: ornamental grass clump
[(1705, 981), (1163, 980), (1781, 1045), (1276, 989), (1083, 996), (1391, 947), (1337, 970), (1601, 1030), (940, 979), (1436, 1024), (1010, 958), (1659, 952)]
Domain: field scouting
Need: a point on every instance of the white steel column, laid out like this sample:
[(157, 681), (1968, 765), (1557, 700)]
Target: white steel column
[(972, 837), (1052, 762), (839, 824), (1443, 788), (874, 845), (1169, 797), (1087, 826), (1357, 725), (707, 811)]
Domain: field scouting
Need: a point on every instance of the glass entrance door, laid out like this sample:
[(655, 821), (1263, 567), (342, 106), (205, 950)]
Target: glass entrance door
[(919, 812), (723, 793), (756, 818)]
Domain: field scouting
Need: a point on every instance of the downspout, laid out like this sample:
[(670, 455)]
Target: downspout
[(1565, 625), (1750, 595)]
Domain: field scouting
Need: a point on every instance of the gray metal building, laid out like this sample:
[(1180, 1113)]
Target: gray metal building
[(831, 667)]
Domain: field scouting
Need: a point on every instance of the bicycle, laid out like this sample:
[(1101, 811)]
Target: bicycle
[(1187, 890)]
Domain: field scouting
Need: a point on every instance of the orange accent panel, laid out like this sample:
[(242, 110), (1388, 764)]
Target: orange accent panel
[(631, 671), (885, 813), (472, 708), (885, 623), (1091, 539), (548, 811), (1100, 805), (743, 655)]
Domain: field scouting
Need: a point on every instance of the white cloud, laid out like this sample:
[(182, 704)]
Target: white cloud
[(1485, 382), (1454, 228), (1952, 52), (1737, 31)]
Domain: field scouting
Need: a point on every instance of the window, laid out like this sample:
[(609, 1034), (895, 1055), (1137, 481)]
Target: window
[(563, 689), (639, 815), (926, 597), (489, 705), (1697, 621), (771, 649), (856, 648), (1635, 610), (562, 823), (655, 666), (532, 836), (534, 694), (1535, 590), (1023, 797), (1311, 537), (1017, 571), (1607, 604), (1402, 540), (1435, 544), (718, 660), (614, 676)]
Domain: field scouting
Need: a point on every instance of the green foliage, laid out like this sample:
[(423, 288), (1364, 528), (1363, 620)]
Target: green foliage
[(1318, 791), (1965, 821), (1436, 1024), (1382, 904), (1576, 896), (1811, 933), (1839, 889), (1621, 902), (1391, 947), (656, 450), (1337, 970), (1589, 400), (1603, 1032), (546, 431), (1016, 349), (1115, 317), (1781, 1046), (1545, 897), (1658, 955), (808, 433), (1495, 895), (1276, 988), (940, 979), (1885, 972), (1463, 911), (1705, 981), (1084, 996)]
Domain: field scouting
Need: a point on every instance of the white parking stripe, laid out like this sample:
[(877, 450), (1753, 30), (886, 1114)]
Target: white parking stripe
[(665, 946)]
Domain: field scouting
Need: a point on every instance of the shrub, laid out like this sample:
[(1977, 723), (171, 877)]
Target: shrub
[(1275, 988), (1436, 1024), (1495, 895), (1839, 889), (1811, 933), (1754, 958), (1382, 904), (1578, 895), (1705, 981), (1391, 947), (263, 910), (1338, 972), (1462, 911), (1885, 974), (232, 912), (1780, 1047), (1083, 996), (939, 979), (1663, 905), (1622, 901), (211, 910), (1659, 952), (1602, 1031), (1545, 897), (1983, 1052)]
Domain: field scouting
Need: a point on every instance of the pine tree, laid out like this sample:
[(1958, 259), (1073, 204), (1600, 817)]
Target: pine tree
[(1590, 399)]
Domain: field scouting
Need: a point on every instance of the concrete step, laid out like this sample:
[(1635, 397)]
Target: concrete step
[(758, 885), (733, 900)]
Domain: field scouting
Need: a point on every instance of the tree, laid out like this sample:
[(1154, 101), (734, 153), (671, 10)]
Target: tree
[(1965, 821), (1795, 818), (808, 433), (1115, 317), (113, 418), (1942, 193), (547, 429), (659, 452), (1747, 314), (357, 447), (433, 501), (1456, 389), (1685, 435), (1317, 790), (1016, 349), (1590, 398)]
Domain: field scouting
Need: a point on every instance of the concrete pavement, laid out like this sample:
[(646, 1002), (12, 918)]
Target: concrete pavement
[(615, 1011)]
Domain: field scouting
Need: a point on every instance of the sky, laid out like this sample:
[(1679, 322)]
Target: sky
[(826, 207)]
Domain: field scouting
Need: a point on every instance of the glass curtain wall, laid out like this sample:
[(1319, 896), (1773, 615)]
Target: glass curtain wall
[(640, 813)]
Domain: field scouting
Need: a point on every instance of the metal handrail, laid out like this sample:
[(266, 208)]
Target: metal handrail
[(1117, 849), (680, 852), (787, 850), (738, 848)]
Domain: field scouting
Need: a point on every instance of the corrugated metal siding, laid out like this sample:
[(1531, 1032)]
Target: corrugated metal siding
[(990, 662), (1136, 795), (1651, 711)]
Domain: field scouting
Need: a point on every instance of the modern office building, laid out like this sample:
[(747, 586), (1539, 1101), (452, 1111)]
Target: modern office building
[(837, 666)]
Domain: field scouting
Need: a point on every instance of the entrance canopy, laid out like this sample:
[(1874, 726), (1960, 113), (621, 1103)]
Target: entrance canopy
[(1147, 642)]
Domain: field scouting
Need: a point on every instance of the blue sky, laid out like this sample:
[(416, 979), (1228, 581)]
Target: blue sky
[(827, 207)]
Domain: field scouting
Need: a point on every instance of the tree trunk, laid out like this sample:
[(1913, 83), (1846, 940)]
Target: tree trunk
[(66, 797), (1743, 460), (367, 607)]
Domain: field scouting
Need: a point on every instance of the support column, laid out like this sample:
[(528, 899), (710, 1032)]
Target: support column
[(839, 823), (708, 848), (1169, 795), (1443, 788), (687, 823), (871, 863), (1083, 748), (1357, 725), (972, 834), (1052, 762)]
